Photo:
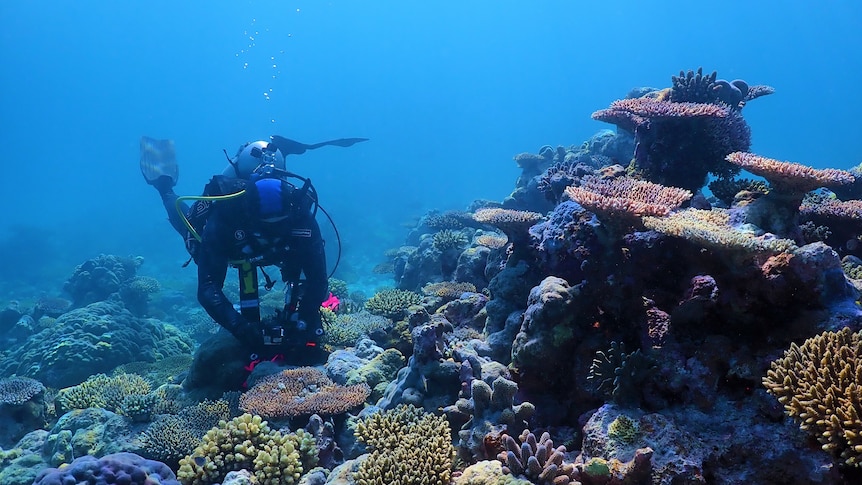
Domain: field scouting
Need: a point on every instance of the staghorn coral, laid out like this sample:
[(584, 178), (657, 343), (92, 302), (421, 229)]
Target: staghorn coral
[(537, 459), (301, 391), (247, 442), (408, 446), (101, 391), (448, 290), (448, 239), (790, 177), (339, 288), (711, 229), (819, 384), (626, 198), (392, 303)]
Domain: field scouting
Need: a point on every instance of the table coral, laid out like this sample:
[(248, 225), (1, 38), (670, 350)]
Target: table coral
[(788, 176), (819, 384), (302, 391), (626, 197), (408, 446)]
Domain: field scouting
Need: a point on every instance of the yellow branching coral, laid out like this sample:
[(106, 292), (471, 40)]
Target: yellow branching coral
[(101, 391), (790, 177), (301, 391), (820, 385), (626, 197), (392, 303), (711, 229), (448, 239), (247, 442), (408, 447)]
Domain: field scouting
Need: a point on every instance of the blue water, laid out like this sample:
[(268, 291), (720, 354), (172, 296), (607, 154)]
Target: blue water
[(447, 92)]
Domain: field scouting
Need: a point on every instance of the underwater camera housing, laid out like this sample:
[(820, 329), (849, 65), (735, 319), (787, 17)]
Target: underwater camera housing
[(273, 329)]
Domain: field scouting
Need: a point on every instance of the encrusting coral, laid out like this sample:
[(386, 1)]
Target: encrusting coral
[(409, 447), (819, 383), (247, 442), (301, 391)]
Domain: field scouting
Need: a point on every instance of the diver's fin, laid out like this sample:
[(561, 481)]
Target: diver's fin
[(293, 147), (158, 159)]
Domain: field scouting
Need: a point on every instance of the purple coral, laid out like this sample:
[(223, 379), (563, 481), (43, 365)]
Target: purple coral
[(117, 468)]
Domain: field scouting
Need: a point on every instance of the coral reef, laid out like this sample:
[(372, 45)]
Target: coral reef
[(22, 408), (392, 303), (407, 446), (684, 133), (96, 279), (301, 391), (247, 442), (92, 340), (819, 384), (116, 468), (537, 460), (170, 437), (101, 391)]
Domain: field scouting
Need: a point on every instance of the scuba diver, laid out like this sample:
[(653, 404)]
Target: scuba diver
[(251, 216)]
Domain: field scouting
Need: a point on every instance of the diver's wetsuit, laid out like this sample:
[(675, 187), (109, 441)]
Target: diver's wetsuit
[(232, 232)]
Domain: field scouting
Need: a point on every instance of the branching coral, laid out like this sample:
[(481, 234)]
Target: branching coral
[(350, 327), (790, 177), (537, 459), (172, 436), (820, 384), (247, 442), (392, 303), (408, 447), (301, 391), (103, 392), (448, 239)]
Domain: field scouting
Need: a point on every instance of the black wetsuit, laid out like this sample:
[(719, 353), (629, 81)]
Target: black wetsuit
[(232, 233)]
